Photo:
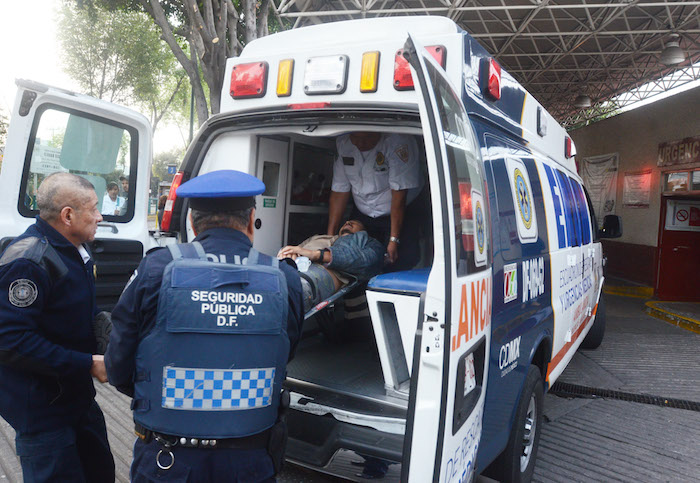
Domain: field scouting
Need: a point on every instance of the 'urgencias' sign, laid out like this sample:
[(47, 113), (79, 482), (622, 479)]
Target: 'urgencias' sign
[(684, 151)]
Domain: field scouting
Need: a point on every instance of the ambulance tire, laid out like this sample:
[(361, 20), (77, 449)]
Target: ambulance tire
[(595, 336), (517, 461)]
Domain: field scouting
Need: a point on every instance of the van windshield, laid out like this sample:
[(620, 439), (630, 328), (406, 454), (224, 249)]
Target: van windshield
[(100, 151)]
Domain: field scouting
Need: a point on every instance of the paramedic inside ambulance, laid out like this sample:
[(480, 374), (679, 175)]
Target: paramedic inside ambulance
[(382, 172)]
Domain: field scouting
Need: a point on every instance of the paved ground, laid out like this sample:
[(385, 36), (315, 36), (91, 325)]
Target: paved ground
[(583, 439)]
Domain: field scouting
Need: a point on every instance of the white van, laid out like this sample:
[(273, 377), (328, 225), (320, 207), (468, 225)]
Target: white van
[(55, 130), (450, 380), (457, 352)]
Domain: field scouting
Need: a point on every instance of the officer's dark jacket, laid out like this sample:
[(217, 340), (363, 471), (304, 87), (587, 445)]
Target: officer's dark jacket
[(135, 314), (47, 304)]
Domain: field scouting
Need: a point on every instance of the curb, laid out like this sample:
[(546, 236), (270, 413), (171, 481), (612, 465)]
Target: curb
[(629, 291), (675, 319)]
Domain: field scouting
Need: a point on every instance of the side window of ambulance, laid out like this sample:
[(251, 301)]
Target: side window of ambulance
[(584, 223), (468, 180), (99, 150)]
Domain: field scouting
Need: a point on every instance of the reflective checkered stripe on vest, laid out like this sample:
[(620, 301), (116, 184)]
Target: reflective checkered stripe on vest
[(213, 365)]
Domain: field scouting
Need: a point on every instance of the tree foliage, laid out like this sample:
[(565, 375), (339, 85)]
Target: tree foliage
[(212, 30), (118, 56), (3, 129)]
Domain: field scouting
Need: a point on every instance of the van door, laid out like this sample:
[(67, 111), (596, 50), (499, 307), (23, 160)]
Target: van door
[(270, 206), (52, 130), (448, 381)]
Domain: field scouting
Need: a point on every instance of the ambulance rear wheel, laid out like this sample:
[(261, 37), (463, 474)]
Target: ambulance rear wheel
[(517, 462), (595, 336)]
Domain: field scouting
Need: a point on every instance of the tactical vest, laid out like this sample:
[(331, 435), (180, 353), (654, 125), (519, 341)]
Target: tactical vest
[(213, 365)]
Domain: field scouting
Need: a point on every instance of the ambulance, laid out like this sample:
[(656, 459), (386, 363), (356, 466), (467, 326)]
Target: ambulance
[(446, 379)]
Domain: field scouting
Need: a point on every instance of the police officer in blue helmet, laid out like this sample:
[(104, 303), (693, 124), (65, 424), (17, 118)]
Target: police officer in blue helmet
[(200, 341)]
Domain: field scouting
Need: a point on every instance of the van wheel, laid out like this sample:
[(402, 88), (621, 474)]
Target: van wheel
[(595, 336), (517, 461)]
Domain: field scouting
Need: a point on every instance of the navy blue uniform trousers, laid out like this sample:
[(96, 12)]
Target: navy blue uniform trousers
[(78, 453)]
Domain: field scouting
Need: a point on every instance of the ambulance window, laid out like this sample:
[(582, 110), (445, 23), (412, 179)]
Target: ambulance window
[(312, 172), (593, 221), (468, 181), (101, 151), (271, 178), (582, 213)]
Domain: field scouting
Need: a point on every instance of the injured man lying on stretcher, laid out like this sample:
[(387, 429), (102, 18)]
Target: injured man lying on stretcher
[(334, 258)]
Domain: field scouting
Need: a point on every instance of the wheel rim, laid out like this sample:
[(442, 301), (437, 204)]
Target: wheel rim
[(529, 432)]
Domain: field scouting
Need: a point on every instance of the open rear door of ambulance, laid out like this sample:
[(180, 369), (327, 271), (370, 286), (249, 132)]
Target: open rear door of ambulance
[(448, 384), (53, 130)]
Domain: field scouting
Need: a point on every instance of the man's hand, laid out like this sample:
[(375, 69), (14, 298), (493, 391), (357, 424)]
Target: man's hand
[(392, 252), (98, 369)]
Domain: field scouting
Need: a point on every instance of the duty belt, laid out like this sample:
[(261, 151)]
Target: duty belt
[(255, 441)]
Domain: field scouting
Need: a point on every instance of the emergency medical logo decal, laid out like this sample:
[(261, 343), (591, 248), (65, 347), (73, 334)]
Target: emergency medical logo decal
[(480, 227), (480, 235), (23, 293), (523, 202), (510, 282), (380, 159)]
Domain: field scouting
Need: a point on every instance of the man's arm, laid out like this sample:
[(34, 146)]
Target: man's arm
[(398, 208), (120, 358), (336, 207), (24, 286)]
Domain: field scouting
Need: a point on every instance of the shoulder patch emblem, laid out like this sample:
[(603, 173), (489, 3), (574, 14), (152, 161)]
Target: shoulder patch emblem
[(23, 292), (402, 153)]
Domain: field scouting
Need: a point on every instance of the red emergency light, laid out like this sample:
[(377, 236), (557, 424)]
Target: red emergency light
[(249, 80), (569, 148), (309, 105), (467, 215), (402, 69), (170, 203), (490, 78)]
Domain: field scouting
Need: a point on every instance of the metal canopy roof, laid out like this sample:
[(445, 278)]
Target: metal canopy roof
[(558, 49)]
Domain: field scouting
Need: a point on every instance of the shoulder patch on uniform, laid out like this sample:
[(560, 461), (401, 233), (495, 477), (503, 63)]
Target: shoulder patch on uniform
[(402, 153), (23, 292)]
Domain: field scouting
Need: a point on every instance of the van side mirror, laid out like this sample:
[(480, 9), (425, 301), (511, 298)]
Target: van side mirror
[(612, 227)]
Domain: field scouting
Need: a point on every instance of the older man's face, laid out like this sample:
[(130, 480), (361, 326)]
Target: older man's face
[(86, 218)]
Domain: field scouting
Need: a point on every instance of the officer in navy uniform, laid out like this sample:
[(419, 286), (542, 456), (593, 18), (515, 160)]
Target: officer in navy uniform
[(200, 340), (47, 343)]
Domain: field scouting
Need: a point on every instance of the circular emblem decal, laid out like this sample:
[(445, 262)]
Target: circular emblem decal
[(380, 159), (480, 227), (23, 292), (524, 200)]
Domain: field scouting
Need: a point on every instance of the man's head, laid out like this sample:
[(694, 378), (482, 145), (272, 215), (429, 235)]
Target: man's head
[(350, 227), (69, 204), (223, 199), (364, 141), (112, 190), (125, 183)]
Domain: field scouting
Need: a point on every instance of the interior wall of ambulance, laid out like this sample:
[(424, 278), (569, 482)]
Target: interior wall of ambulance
[(636, 135)]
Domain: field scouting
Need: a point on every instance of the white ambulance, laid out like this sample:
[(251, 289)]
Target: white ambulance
[(449, 380)]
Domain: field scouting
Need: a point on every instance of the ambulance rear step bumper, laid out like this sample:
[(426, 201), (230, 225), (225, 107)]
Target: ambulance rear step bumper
[(324, 420), (314, 440)]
